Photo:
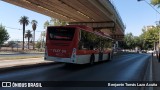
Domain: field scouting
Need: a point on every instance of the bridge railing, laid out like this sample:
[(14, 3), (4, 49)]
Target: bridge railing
[(117, 13)]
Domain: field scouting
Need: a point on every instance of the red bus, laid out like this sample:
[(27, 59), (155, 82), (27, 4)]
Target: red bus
[(77, 44)]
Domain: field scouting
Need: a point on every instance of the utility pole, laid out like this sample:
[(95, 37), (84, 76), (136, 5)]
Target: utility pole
[(41, 40)]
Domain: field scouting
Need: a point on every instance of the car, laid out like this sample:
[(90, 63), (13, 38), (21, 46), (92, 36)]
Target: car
[(150, 51)]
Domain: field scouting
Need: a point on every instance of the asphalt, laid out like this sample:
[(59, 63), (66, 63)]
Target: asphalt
[(127, 67), (28, 62), (11, 65)]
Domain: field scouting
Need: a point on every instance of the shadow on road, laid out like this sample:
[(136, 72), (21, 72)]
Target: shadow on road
[(75, 67)]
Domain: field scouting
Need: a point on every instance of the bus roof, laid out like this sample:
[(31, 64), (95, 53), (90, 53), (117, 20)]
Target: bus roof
[(87, 28)]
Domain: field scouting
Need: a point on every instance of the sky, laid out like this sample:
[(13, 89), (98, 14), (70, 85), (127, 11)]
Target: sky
[(10, 16), (135, 16)]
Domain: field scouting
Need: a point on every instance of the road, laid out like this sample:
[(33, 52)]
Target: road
[(129, 67)]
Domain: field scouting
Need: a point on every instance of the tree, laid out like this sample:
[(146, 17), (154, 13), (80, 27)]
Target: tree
[(57, 22), (142, 42), (43, 35), (46, 24), (129, 41), (28, 35), (38, 44), (151, 36), (34, 26), (54, 22), (4, 36), (155, 2), (24, 21), (138, 41)]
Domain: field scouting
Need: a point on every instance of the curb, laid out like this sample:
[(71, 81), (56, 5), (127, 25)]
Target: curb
[(28, 66)]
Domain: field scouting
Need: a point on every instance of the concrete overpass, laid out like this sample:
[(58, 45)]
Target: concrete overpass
[(99, 14)]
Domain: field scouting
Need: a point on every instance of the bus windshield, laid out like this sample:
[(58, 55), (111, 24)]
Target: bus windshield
[(61, 33)]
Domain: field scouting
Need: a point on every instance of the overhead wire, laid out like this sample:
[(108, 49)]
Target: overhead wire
[(19, 29)]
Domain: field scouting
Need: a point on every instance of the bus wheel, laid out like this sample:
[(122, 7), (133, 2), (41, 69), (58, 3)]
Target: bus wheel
[(92, 58)]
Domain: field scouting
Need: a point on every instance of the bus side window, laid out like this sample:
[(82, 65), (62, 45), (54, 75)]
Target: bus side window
[(91, 47), (51, 35), (86, 41), (80, 42), (80, 35), (80, 46)]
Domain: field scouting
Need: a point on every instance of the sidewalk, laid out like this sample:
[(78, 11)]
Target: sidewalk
[(20, 62), (156, 71), (11, 65), (19, 55), (13, 53)]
